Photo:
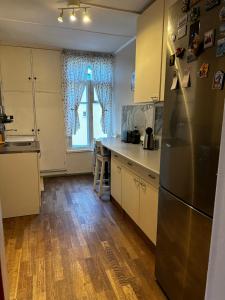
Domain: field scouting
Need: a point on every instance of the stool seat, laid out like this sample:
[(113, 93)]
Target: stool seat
[(102, 157)]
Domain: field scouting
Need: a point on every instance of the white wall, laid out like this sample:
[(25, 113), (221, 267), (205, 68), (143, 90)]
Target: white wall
[(215, 289), (123, 69)]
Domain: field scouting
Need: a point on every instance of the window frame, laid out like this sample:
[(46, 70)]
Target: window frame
[(91, 100)]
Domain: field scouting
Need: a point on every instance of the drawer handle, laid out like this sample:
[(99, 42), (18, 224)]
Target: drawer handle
[(151, 176), (115, 155), (130, 164)]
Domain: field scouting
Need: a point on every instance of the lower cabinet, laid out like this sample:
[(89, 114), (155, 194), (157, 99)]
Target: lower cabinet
[(138, 197), (148, 209), (130, 193), (116, 181), (20, 184)]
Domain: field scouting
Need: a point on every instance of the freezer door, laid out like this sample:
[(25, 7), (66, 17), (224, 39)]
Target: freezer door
[(182, 250), (192, 120)]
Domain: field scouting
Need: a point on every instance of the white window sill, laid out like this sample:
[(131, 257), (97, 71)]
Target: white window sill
[(73, 150)]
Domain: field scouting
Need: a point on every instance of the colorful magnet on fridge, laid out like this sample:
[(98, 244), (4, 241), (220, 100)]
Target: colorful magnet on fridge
[(220, 50), (218, 80), (172, 60), (180, 52), (204, 70), (209, 38), (195, 13), (186, 81), (182, 32), (209, 4), (175, 81)]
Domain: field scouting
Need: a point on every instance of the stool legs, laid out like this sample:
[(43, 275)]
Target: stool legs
[(96, 173), (101, 179)]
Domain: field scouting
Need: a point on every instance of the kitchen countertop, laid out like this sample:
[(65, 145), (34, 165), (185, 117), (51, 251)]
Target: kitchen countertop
[(20, 147), (147, 159)]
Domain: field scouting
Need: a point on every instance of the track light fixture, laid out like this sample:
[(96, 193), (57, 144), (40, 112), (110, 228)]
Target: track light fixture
[(73, 7)]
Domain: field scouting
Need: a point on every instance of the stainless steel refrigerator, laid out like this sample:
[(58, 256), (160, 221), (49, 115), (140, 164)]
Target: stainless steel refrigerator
[(190, 149)]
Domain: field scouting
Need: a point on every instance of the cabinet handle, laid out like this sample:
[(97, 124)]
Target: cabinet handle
[(29, 78), (38, 130), (115, 155), (35, 78), (143, 185), (151, 176), (32, 129), (130, 164)]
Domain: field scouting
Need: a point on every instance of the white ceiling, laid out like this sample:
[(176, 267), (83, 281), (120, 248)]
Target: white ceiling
[(34, 23)]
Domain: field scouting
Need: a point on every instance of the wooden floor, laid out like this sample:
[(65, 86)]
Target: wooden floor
[(77, 248)]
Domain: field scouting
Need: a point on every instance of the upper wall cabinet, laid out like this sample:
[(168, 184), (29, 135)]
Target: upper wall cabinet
[(47, 70), (149, 51), (16, 73)]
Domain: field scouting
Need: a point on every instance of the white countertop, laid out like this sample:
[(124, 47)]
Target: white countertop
[(145, 158)]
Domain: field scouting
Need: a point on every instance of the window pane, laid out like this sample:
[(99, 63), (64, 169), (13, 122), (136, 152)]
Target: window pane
[(97, 114), (81, 138)]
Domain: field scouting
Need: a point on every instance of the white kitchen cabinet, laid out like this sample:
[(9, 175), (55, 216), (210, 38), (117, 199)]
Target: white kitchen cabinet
[(19, 184), (50, 130), (47, 70), (130, 192), (16, 68), (149, 51), (116, 181), (148, 209), (21, 106)]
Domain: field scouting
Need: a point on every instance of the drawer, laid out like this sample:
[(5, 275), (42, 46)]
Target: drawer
[(140, 171)]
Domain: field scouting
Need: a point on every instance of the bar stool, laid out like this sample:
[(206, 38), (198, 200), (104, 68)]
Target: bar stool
[(102, 157)]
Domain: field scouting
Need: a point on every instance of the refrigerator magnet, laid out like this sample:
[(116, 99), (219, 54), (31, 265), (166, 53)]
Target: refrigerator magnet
[(218, 80), (195, 13), (180, 52), (175, 81), (172, 60), (220, 50), (186, 82), (173, 37), (204, 70), (209, 38), (182, 32), (209, 4)]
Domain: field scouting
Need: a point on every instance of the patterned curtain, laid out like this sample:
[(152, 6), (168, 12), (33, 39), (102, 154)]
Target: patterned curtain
[(74, 79), (75, 66), (102, 67)]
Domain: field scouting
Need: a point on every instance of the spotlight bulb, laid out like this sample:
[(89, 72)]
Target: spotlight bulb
[(60, 18), (73, 17), (86, 17)]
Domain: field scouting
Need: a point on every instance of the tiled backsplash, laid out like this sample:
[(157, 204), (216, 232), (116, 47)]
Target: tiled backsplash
[(142, 116)]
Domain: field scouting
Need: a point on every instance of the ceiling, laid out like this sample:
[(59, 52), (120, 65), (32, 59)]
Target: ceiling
[(34, 23)]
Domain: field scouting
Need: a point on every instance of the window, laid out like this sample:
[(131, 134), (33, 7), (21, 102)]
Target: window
[(90, 113), (87, 83)]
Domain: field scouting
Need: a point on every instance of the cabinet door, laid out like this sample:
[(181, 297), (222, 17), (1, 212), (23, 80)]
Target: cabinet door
[(50, 127), (130, 201), (47, 70), (20, 105), (148, 210), (116, 181), (149, 46), (16, 68)]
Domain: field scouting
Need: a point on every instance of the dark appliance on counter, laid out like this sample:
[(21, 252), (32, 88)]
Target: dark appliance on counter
[(131, 136), (149, 139), (135, 136), (191, 136), (127, 136), (4, 119)]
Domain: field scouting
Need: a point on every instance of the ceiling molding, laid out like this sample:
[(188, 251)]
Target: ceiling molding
[(147, 6), (64, 27), (125, 45)]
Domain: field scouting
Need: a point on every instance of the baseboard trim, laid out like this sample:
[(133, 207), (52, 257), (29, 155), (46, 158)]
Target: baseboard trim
[(146, 239)]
